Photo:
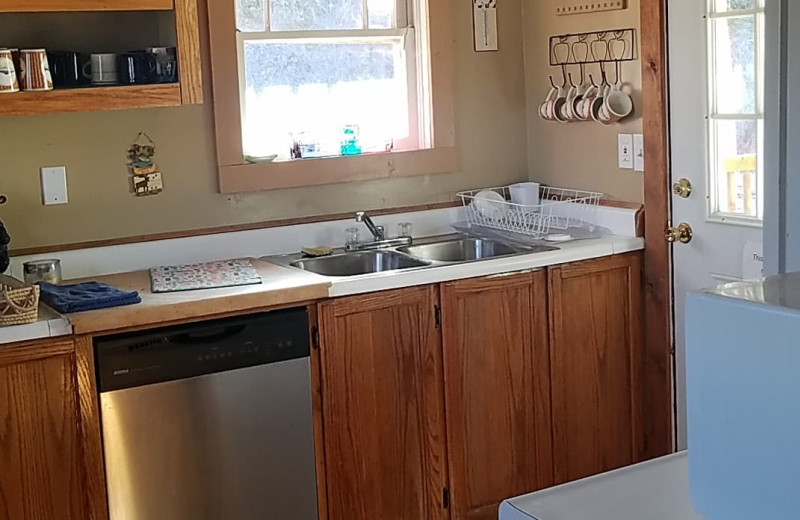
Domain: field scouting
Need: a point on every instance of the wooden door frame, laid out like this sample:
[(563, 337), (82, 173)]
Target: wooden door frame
[(658, 346)]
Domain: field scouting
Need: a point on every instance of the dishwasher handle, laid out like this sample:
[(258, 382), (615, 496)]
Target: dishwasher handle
[(206, 336)]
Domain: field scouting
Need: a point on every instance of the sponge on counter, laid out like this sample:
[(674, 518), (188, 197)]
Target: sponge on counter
[(316, 252)]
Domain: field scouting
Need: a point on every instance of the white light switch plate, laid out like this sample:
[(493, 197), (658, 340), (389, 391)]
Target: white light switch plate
[(638, 152), (626, 151), (484, 16), (54, 185)]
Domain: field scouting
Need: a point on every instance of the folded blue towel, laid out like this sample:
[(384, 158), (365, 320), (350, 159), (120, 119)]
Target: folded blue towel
[(86, 296)]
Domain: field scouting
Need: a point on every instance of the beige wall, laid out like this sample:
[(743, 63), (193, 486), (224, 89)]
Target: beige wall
[(577, 155), (491, 134)]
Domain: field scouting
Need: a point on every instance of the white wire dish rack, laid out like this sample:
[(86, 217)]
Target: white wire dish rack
[(559, 210)]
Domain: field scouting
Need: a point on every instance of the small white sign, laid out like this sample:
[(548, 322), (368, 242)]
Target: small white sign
[(753, 261), (484, 16)]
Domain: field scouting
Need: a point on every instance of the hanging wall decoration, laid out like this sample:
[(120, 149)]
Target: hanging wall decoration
[(145, 177), (484, 17), (567, 7)]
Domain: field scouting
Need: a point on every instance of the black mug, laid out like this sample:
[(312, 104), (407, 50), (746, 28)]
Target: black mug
[(166, 63), (66, 67), (137, 68)]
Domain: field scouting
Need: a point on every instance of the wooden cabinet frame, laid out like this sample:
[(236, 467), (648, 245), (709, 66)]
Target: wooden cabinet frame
[(72, 432), (188, 91), (235, 175), (658, 346)]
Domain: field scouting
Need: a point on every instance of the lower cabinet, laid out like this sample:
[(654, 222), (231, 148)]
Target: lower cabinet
[(535, 377), (40, 444), (595, 356), (383, 406), (497, 388)]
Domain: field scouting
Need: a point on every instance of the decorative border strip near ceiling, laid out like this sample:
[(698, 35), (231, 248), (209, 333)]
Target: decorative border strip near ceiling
[(567, 7)]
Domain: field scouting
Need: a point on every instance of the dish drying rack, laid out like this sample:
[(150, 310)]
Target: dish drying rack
[(559, 210)]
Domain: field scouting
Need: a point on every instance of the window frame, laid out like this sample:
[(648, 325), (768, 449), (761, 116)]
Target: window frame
[(714, 116), (433, 30)]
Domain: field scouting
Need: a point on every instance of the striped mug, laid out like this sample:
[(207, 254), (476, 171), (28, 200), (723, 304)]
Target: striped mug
[(34, 74), (8, 73)]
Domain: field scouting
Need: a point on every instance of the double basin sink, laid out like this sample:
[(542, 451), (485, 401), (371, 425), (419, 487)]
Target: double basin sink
[(443, 252)]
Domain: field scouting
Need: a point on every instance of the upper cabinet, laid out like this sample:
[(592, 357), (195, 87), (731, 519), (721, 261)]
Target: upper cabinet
[(151, 52)]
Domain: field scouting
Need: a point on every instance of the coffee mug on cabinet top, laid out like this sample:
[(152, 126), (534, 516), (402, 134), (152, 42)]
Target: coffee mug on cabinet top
[(66, 67), (34, 74), (8, 73), (102, 69)]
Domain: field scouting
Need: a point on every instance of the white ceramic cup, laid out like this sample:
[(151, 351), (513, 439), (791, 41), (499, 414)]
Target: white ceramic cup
[(525, 193), (584, 107), (574, 95), (617, 105), (596, 110), (544, 108), (104, 69)]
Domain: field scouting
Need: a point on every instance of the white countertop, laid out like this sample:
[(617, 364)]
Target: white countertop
[(51, 324), (567, 252), (654, 490)]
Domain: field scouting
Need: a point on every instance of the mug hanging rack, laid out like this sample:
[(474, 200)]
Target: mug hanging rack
[(615, 45)]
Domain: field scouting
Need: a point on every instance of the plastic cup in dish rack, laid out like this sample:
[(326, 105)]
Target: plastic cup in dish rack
[(525, 193)]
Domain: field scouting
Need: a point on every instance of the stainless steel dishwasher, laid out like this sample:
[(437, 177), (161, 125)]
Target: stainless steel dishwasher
[(210, 421)]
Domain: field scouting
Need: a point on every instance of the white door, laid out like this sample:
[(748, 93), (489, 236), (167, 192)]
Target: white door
[(716, 125)]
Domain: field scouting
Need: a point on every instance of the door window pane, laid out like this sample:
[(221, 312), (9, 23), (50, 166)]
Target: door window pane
[(735, 65), (737, 149), (310, 15), (381, 14), (721, 6), (312, 93), (250, 15)]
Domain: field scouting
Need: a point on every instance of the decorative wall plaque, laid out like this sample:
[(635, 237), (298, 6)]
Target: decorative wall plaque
[(567, 7)]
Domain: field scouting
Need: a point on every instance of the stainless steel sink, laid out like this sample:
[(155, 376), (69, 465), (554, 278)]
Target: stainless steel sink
[(354, 264), (468, 250)]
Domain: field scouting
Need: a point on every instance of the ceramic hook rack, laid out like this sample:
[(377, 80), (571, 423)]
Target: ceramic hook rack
[(612, 45)]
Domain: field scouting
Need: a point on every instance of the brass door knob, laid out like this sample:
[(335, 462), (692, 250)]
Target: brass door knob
[(682, 188), (683, 234)]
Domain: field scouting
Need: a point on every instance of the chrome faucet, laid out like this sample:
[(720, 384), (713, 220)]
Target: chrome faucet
[(379, 232), (379, 236)]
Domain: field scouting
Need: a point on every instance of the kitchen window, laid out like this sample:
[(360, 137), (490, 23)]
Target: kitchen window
[(736, 115), (323, 91)]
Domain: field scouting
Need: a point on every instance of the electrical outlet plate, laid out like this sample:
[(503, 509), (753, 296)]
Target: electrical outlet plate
[(638, 152), (626, 151), (54, 185), (484, 17)]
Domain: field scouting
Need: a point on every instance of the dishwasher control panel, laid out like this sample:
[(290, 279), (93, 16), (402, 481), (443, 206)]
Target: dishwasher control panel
[(193, 350)]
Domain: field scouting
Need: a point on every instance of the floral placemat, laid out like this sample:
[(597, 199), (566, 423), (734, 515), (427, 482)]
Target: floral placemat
[(211, 275)]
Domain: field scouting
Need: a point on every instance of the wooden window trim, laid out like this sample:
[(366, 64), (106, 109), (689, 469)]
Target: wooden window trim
[(236, 176)]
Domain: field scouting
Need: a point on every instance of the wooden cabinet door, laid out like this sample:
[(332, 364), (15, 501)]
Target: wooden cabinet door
[(40, 448), (595, 355), (497, 390), (383, 416)]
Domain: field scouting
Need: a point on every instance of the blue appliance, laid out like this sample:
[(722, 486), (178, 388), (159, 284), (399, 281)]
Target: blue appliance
[(743, 388)]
